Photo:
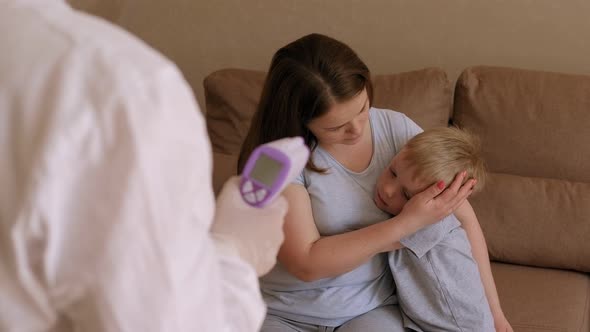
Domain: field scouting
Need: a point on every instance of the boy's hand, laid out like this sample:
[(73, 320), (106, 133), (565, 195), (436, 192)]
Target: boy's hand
[(501, 323)]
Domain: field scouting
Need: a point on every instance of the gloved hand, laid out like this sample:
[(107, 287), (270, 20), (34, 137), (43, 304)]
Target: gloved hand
[(257, 233)]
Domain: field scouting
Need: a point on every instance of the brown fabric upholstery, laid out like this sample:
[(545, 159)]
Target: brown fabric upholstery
[(543, 300), (535, 221), (531, 123), (423, 95), (533, 126), (225, 167), (232, 96)]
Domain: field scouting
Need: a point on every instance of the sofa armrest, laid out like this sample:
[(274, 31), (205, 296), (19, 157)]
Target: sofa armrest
[(224, 166)]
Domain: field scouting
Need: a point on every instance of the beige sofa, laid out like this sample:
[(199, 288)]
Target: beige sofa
[(535, 208)]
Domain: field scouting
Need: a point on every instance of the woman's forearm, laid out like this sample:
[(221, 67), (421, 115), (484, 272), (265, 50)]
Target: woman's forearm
[(309, 256), (334, 255)]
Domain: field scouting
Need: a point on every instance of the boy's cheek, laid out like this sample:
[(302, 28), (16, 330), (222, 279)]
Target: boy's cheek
[(379, 204), (394, 208), (389, 208)]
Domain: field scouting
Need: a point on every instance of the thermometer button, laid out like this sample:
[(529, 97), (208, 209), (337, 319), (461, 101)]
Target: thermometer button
[(250, 198), (247, 187), (261, 194)]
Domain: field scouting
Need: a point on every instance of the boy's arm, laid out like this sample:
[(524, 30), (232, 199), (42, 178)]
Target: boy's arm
[(479, 249)]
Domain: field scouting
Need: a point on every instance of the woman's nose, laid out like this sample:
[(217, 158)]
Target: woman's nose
[(355, 127)]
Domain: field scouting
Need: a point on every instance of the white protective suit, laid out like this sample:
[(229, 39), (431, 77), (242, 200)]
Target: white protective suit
[(105, 187)]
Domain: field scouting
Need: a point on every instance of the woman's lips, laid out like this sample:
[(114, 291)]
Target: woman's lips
[(355, 139)]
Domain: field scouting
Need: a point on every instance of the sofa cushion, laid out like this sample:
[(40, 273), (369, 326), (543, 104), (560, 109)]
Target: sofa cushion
[(532, 123), (543, 300), (534, 132), (535, 221), (423, 95), (232, 96)]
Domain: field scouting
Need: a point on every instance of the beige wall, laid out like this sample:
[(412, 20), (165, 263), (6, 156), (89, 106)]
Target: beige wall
[(390, 35)]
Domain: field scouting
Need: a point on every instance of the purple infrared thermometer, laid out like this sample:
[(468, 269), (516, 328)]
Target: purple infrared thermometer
[(270, 168)]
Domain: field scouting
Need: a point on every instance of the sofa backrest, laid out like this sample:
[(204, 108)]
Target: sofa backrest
[(232, 96), (535, 133)]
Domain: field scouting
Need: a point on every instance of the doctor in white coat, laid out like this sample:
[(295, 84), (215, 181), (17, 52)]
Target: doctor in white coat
[(107, 215)]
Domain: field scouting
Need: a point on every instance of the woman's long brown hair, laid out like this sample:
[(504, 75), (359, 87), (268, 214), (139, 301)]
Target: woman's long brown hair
[(306, 77)]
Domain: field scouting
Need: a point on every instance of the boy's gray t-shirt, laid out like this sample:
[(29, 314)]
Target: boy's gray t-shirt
[(342, 201)]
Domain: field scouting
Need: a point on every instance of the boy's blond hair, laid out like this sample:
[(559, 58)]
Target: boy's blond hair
[(441, 153)]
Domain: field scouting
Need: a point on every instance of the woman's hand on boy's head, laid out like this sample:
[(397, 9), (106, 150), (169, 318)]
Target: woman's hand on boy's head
[(436, 202), (457, 192)]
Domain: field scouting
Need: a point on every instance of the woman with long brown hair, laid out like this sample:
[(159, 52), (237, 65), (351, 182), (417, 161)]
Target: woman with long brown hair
[(333, 270)]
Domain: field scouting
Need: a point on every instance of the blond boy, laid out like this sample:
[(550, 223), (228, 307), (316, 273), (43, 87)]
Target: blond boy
[(438, 283)]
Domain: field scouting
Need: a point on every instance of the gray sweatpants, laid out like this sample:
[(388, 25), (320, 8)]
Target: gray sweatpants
[(385, 318), (438, 284)]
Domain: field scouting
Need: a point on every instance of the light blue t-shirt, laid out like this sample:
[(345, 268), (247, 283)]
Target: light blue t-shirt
[(342, 201)]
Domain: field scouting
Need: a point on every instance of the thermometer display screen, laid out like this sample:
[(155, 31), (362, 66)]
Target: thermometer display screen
[(266, 170)]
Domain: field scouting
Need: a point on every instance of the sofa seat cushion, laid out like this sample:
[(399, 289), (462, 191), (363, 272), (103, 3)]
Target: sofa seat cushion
[(543, 300)]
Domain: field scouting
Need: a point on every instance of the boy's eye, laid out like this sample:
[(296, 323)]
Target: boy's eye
[(406, 195), (392, 173)]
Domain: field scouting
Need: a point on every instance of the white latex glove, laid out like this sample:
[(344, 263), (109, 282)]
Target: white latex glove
[(256, 233)]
